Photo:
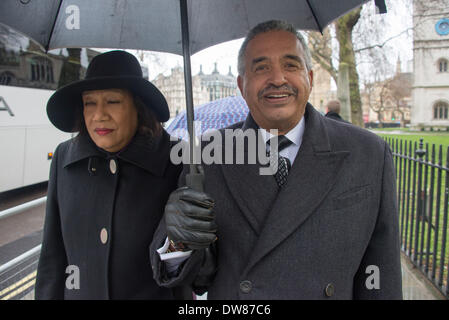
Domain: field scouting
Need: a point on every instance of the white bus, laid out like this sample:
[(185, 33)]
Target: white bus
[(28, 77), (27, 138)]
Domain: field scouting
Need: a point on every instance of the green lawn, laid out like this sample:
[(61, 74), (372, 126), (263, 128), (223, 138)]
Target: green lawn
[(428, 137)]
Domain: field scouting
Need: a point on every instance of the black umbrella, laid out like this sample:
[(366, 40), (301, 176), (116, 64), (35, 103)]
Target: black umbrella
[(175, 26)]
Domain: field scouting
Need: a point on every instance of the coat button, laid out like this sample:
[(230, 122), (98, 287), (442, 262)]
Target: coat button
[(104, 236), (113, 166), (330, 290), (246, 286)]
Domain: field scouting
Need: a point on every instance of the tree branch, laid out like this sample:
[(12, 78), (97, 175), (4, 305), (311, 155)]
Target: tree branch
[(382, 44)]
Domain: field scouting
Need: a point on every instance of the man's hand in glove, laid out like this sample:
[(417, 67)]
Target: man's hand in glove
[(190, 219)]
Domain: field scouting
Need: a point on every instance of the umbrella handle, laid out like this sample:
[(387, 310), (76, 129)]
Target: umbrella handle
[(195, 179)]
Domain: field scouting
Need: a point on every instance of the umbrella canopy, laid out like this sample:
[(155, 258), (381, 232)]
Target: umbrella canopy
[(176, 26), (156, 24), (212, 115)]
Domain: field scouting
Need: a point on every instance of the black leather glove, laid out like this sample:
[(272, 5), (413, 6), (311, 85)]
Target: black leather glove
[(190, 219)]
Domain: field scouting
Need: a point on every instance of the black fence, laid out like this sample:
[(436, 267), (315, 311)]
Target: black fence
[(423, 190)]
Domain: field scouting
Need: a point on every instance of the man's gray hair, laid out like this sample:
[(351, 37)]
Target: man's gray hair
[(272, 25)]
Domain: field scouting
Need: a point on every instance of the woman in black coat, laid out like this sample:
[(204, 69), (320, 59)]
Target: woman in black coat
[(108, 186)]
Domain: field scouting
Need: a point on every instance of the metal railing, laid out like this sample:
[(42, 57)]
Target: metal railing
[(18, 276), (22, 207), (423, 193)]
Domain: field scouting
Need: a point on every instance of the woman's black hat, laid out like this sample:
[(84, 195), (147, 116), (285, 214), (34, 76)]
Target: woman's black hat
[(111, 70)]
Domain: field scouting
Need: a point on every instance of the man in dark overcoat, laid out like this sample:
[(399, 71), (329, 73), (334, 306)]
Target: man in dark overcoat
[(325, 229)]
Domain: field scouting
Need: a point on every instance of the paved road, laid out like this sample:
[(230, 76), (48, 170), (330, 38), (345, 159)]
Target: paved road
[(415, 286)]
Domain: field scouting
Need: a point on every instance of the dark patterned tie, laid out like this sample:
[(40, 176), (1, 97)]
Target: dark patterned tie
[(282, 162)]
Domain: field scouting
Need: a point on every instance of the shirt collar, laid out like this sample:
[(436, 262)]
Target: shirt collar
[(294, 135)]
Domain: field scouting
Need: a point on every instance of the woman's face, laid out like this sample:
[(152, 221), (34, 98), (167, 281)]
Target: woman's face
[(110, 117)]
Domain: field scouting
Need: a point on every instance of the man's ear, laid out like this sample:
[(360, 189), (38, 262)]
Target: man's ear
[(240, 84), (311, 78)]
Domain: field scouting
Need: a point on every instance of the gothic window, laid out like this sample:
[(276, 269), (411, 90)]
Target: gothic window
[(41, 70), (442, 65), (440, 111)]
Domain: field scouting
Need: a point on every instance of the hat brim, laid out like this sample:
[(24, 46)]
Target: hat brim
[(65, 105)]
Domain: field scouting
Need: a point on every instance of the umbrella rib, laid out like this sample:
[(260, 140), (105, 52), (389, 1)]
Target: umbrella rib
[(47, 45), (246, 14), (314, 16)]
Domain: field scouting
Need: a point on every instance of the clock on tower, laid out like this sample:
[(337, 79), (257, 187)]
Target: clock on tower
[(442, 27)]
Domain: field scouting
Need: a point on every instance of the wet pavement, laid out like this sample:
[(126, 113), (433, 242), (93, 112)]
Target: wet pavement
[(415, 285)]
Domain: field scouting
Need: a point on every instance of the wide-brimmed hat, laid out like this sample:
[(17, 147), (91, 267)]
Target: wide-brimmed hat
[(111, 70)]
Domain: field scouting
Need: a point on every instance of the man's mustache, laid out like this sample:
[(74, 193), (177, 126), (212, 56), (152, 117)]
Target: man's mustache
[(285, 88)]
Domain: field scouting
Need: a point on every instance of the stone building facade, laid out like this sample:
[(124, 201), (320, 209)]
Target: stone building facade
[(33, 68), (218, 86), (206, 87), (430, 107), (173, 89)]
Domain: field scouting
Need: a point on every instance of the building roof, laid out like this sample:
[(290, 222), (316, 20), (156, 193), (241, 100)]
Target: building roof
[(216, 76)]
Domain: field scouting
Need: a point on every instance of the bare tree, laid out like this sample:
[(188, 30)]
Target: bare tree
[(362, 45), (344, 27), (376, 97), (322, 54), (155, 60), (321, 50), (389, 97)]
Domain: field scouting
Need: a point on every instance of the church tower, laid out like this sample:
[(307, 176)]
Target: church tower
[(430, 107)]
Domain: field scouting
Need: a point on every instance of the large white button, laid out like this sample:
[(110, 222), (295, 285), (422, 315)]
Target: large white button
[(113, 166), (104, 236)]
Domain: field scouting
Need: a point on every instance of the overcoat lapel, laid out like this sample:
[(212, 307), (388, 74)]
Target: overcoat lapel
[(254, 193), (310, 179)]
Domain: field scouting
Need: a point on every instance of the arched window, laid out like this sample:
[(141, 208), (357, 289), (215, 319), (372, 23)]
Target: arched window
[(6, 77), (442, 65), (440, 111)]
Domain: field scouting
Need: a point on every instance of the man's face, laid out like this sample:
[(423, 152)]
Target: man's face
[(276, 84)]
